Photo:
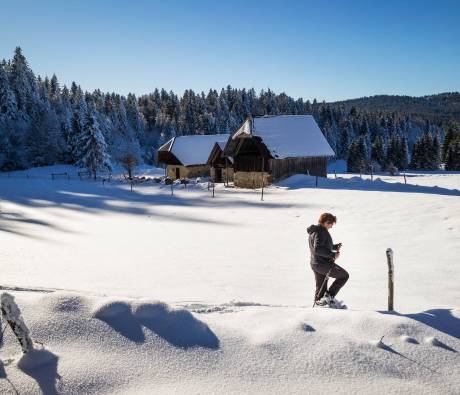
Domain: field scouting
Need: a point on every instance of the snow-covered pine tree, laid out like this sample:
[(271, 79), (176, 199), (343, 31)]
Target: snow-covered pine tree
[(91, 145), (23, 84), (8, 105), (43, 136), (124, 141)]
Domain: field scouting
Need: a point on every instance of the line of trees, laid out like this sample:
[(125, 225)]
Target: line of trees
[(43, 123), (451, 147)]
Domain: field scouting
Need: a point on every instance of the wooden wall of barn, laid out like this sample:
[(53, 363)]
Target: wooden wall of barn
[(282, 168)]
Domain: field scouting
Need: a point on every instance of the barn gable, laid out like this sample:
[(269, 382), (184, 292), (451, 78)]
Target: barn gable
[(189, 150), (286, 136)]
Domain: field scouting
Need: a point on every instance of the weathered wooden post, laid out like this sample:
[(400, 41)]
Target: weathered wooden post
[(213, 187), (404, 174), (12, 315), (172, 189), (390, 278), (335, 174), (263, 183), (372, 172), (316, 182)]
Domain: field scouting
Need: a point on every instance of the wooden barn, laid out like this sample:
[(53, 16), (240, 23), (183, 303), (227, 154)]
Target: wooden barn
[(187, 156), (221, 166), (270, 148)]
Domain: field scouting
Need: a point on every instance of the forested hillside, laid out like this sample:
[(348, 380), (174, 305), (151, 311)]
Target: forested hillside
[(42, 122), (436, 108)]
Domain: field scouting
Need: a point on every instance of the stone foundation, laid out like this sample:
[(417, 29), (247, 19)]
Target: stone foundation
[(187, 171), (224, 176), (251, 179)]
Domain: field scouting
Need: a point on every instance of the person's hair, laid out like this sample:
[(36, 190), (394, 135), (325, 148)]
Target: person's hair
[(327, 217)]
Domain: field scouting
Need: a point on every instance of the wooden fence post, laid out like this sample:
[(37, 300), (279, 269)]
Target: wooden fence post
[(12, 315), (263, 183), (390, 278), (404, 174)]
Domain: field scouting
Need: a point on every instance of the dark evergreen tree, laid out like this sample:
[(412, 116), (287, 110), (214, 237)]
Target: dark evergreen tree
[(393, 153), (452, 134), (378, 151), (357, 156), (453, 156)]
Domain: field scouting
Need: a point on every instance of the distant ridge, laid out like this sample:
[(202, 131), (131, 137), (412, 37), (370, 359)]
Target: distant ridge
[(437, 107)]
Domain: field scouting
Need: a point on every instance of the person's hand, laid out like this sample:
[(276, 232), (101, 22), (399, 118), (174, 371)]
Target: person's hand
[(339, 246), (337, 254)]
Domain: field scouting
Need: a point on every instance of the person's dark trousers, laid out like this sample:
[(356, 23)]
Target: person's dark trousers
[(337, 272)]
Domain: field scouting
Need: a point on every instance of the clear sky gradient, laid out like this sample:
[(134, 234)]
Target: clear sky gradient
[(329, 50)]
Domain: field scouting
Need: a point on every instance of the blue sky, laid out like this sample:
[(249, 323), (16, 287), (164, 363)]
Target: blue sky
[(329, 50)]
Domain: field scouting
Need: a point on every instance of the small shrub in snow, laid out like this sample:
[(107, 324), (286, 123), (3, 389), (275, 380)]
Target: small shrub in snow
[(376, 167), (392, 169), (128, 161), (168, 181)]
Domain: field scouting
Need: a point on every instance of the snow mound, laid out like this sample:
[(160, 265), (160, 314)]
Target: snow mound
[(178, 327), (113, 308), (135, 346)]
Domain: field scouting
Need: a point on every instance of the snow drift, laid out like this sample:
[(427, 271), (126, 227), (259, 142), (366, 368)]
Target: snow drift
[(129, 346)]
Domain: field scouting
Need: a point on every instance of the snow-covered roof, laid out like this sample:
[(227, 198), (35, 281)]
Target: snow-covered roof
[(287, 136), (193, 150)]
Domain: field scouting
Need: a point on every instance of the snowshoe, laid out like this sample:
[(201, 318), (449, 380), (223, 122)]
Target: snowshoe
[(336, 304)]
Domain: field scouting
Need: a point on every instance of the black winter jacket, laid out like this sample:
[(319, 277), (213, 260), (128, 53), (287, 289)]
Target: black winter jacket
[(321, 247)]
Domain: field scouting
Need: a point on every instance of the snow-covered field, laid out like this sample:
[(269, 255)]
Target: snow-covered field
[(89, 262)]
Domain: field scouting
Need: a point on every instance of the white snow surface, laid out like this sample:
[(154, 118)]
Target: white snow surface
[(142, 292), (195, 150), (292, 136)]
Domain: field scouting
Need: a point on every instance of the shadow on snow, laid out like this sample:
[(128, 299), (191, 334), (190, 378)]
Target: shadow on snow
[(177, 326), (357, 184), (442, 320), (92, 197)]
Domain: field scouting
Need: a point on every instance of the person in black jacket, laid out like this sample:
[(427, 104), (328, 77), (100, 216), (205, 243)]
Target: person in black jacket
[(323, 256)]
